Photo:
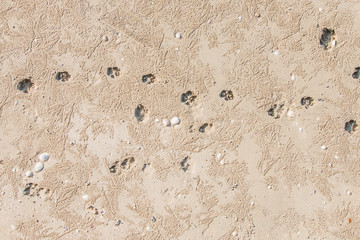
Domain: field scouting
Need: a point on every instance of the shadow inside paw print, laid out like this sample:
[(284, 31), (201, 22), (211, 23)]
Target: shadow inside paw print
[(113, 72), (307, 102), (62, 76), (227, 95), (148, 78), (276, 110), (24, 85), (328, 38), (351, 126), (184, 165), (188, 97), (113, 167), (356, 73), (127, 162), (140, 113), (203, 127)]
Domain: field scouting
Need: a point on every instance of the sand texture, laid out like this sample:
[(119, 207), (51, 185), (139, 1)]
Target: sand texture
[(265, 143)]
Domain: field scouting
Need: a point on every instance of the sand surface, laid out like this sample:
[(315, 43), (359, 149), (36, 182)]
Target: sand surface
[(261, 150)]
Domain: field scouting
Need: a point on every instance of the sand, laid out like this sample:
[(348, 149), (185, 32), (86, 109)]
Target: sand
[(257, 96)]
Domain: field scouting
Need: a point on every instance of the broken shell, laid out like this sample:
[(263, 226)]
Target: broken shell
[(44, 157), (175, 121), (38, 167)]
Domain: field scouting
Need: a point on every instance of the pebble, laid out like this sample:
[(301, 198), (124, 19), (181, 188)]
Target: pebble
[(323, 147), (252, 203), (44, 157), (219, 155), (222, 162), (29, 174), (166, 122), (178, 35), (234, 234), (105, 38), (85, 197), (293, 77), (349, 193), (301, 129), (175, 121), (276, 53), (291, 114), (38, 167)]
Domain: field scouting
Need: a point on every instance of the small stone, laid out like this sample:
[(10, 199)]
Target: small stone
[(301, 129), (105, 38), (349, 193), (39, 167), (257, 15), (293, 77), (153, 219), (240, 18), (175, 121), (323, 147), (219, 155), (276, 53), (234, 234), (291, 114), (14, 170), (222, 162), (29, 174), (85, 197), (157, 120), (178, 35), (44, 157), (252, 203), (166, 123)]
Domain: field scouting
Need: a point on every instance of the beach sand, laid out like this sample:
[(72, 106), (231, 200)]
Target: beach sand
[(260, 149)]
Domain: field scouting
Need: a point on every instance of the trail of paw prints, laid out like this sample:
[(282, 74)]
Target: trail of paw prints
[(113, 72), (351, 126), (227, 95), (24, 85), (328, 39), (62, 76), (307, 102), (125, 164), (276, 110), (188, 97), (148, 78)]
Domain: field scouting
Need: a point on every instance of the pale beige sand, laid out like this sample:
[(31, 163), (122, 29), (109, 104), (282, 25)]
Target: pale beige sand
[(272, 181)]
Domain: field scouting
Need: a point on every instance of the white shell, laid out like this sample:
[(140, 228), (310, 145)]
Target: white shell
[(85, 197), (178, 35), (175, 121), (38, 167), (44, 157), (29, 174), (166, 122), (323, 147)]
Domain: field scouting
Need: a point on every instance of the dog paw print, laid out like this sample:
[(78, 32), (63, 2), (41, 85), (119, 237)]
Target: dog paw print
[(148, 78), (96, 211), (140, 113), (188, 97), (205, 126), (184, 165), (328, 38), (113, 72), (62, 76), (227, 95), (113, 167), (356, 73), (307, 102), (351, 126), (24, 85), (127, 162), (32, 190), (276, 110)]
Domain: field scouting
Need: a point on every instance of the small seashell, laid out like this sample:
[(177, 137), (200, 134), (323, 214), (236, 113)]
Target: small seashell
[(166, 122), (175, 121), (323, 147), (44, 157), (85, 197), (38, 167), (29, 174)]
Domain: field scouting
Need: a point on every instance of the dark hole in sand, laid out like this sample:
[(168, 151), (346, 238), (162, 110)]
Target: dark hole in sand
[(113, 167), (227, 95), (203, 127), (271, 111), (62, 76), (356, 73), (148, 78), (184, 165), (140, 112), (188, 97), (126, 162), (307, 102), (27, 188), (327, 38), (350, 126), (24, 85)]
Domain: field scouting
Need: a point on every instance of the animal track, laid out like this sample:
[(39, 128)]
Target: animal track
[(24, 85), (328, 38), (188, 97), (276, 110), (307, 102), (62, 76), (203, 127), (113, 71), (184, 165), (113, 167), (140, 113), (127, 162), (148, 78), (227, 95), (32, 190), (351, 126), (356, 73)]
